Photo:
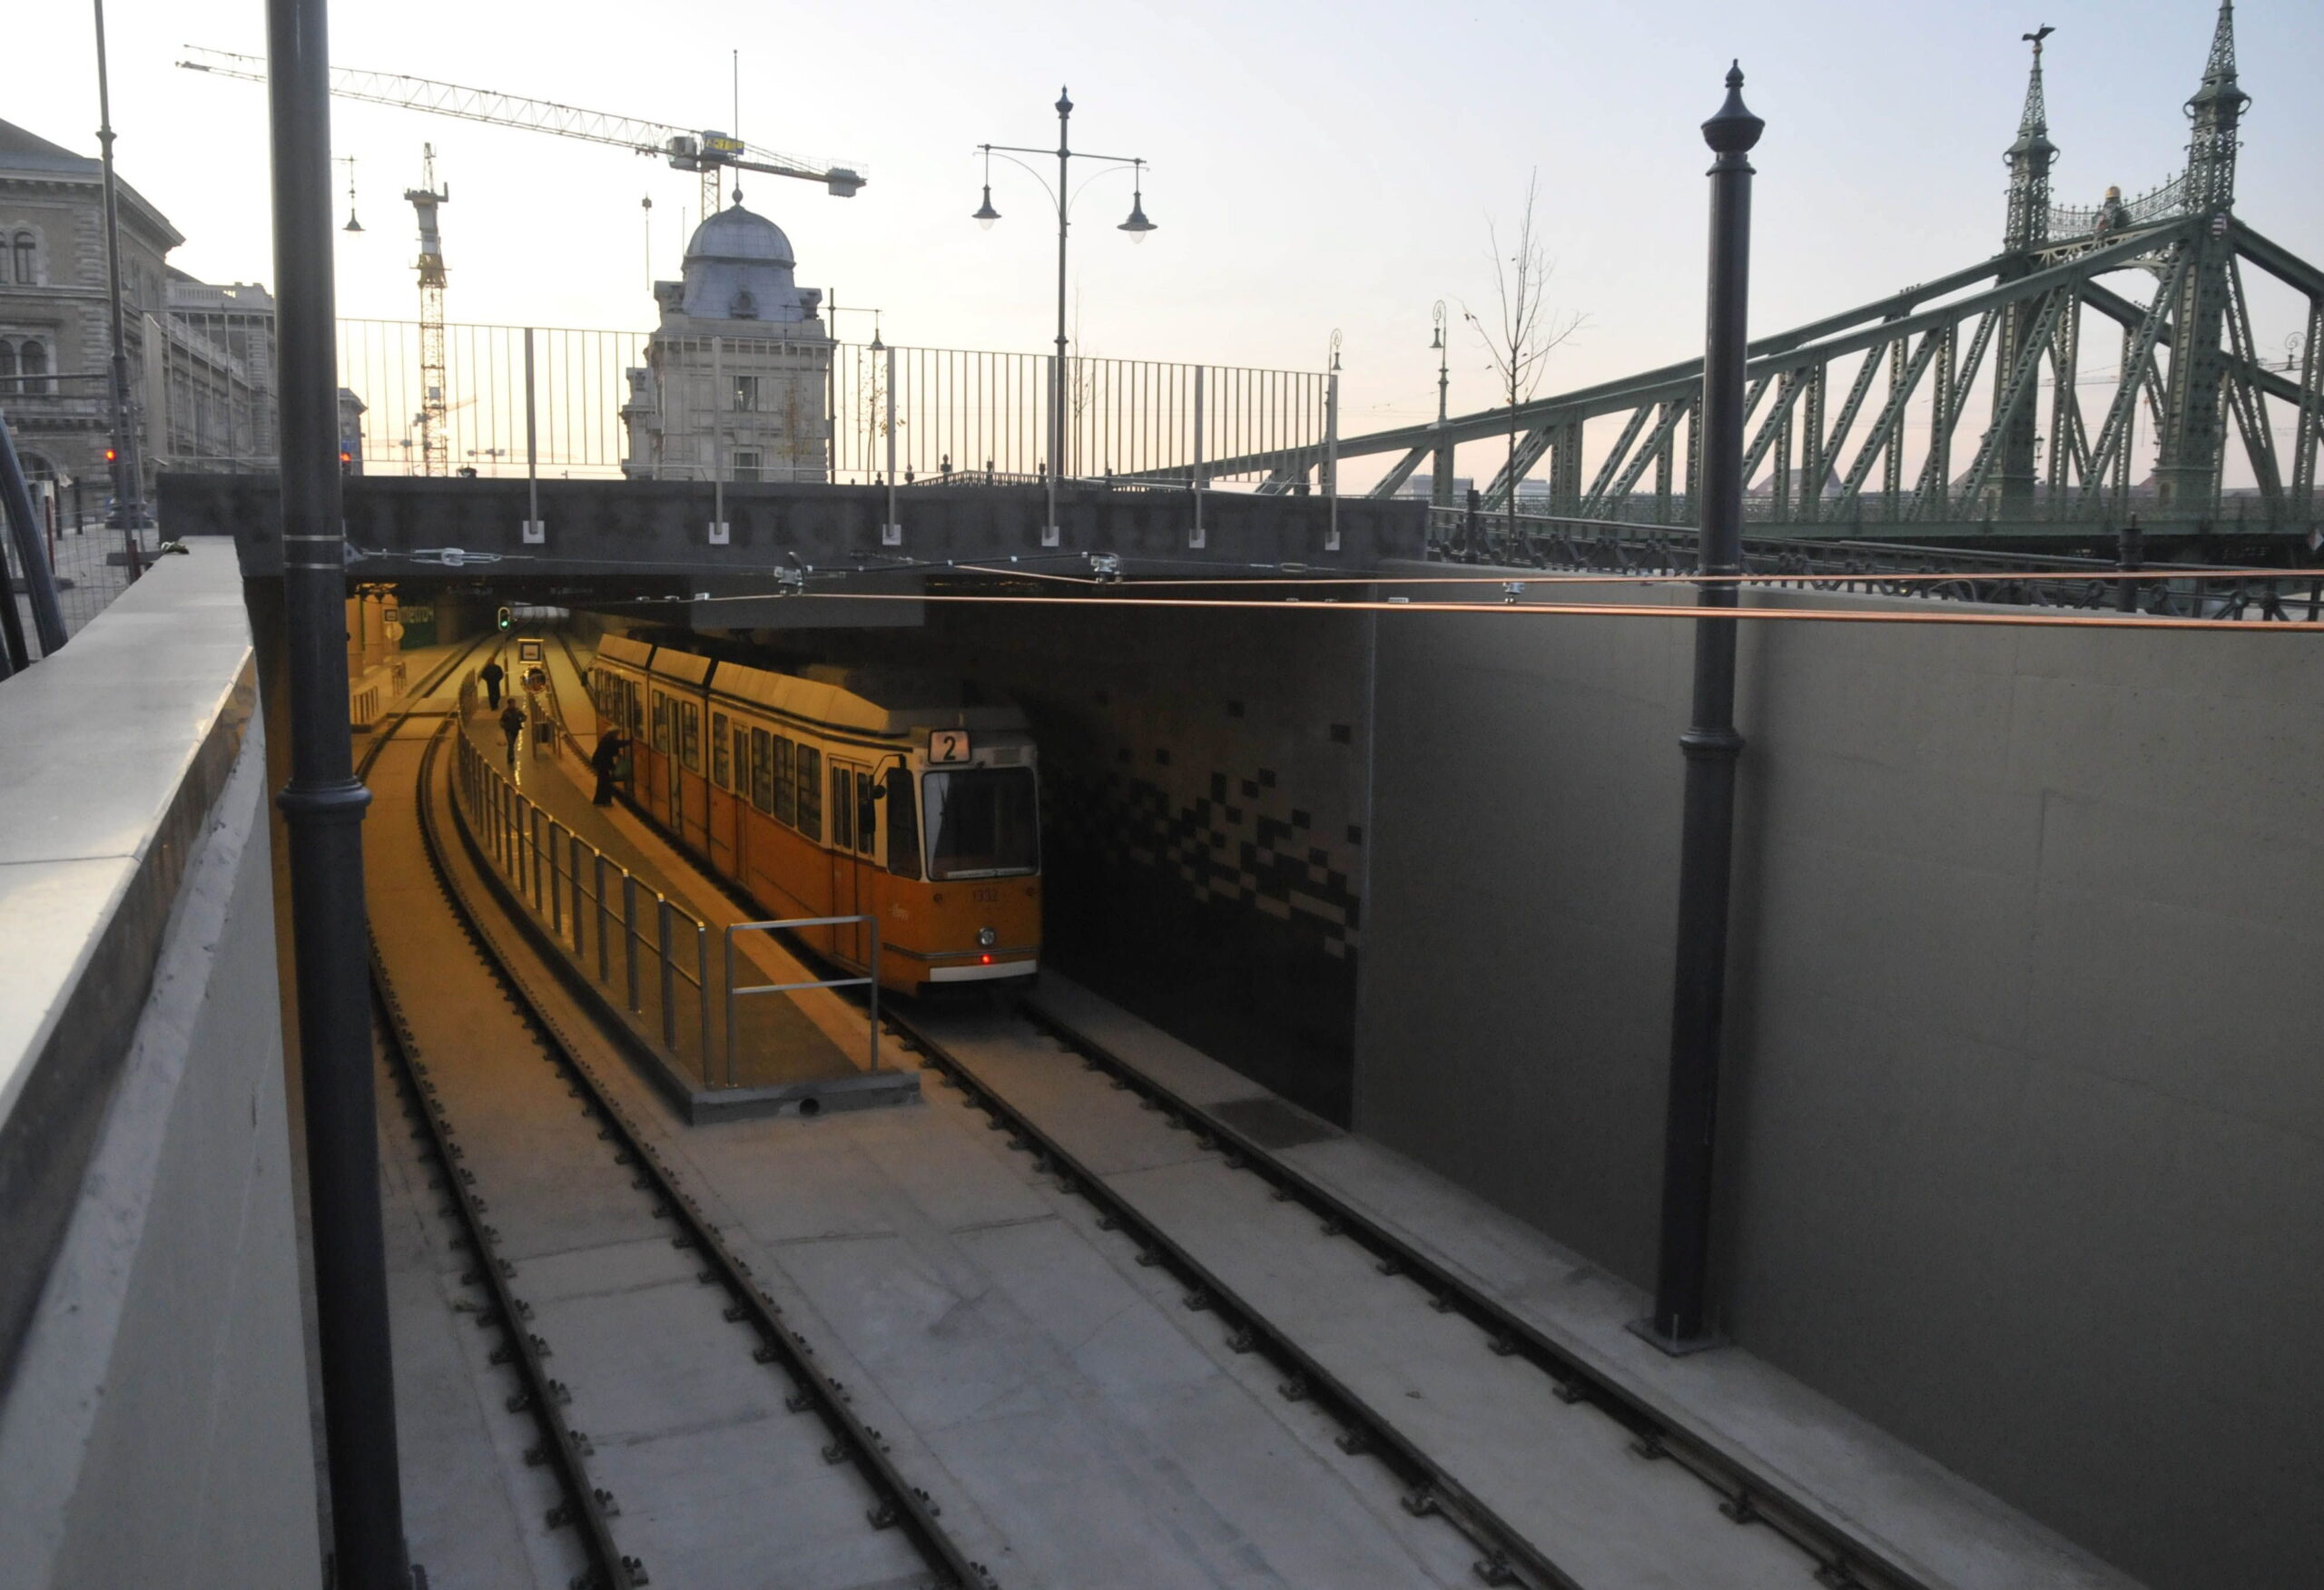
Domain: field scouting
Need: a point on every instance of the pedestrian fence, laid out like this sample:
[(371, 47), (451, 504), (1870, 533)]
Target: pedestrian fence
[(646, 953), (789, 406)]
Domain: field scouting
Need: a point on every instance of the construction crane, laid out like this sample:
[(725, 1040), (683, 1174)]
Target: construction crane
[(432, 420), (707, 152)]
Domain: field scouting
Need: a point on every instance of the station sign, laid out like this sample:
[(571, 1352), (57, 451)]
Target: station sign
[(948, 745), (528, 651)]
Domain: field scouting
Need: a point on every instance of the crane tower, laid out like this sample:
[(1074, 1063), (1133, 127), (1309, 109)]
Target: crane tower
[(435, 439)]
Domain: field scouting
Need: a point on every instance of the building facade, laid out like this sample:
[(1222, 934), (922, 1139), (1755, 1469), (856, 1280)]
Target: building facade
[(201, 357), (55, 331), (736, 381), (214, 387)]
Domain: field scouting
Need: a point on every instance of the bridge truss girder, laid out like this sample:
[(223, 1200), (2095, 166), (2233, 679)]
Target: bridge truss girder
[(2023, 313)]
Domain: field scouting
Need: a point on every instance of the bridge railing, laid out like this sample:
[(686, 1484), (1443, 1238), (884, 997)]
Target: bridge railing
[(1886, 569), (777, 402)]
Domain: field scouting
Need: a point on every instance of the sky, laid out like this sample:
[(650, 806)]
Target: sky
[(1312, 167)]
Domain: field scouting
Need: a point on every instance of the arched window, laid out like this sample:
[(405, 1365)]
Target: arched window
[(8, 366), (35, 358), (23, 251)]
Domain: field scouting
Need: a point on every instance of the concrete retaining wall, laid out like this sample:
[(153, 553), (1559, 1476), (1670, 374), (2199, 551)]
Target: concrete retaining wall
[(2023, 1135), (156, 1430), (654, 533)]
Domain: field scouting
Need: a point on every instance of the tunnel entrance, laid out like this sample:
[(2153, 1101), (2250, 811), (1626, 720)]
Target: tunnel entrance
[(1204, 778)]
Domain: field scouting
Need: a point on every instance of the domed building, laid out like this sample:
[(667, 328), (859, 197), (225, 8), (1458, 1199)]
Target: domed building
[(737, 379)]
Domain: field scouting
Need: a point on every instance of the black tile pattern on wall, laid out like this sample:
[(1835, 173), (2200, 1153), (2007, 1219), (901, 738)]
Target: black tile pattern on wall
[(1227, 929)]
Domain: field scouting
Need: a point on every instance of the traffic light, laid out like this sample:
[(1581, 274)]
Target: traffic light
[(506, 618), (110, 455)]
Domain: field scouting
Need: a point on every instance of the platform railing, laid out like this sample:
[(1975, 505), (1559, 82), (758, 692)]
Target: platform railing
[(871, 983), (649, 955)]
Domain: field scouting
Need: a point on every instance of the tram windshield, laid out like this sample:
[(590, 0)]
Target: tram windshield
[(981, 821)]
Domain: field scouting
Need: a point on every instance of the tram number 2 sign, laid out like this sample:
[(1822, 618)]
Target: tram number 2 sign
[(948, 745)]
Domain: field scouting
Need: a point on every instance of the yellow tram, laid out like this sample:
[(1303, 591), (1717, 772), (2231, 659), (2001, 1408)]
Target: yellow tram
[(836, 792)]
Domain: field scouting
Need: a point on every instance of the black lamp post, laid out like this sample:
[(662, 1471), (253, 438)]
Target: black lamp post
[(128, 472), (1137, 226), (1699, 993), (322, 807)]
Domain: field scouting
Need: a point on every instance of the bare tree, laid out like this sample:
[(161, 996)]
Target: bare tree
[(1521, 330)]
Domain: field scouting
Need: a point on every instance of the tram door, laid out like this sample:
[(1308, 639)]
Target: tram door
[(854, 822)]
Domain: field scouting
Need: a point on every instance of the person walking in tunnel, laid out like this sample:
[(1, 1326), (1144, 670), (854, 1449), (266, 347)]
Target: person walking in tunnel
[(492, 673), (512, 724), (605, 760)]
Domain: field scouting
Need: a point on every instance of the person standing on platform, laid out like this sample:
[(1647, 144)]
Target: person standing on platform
[(512, 724), (492, 673), (604, 760)]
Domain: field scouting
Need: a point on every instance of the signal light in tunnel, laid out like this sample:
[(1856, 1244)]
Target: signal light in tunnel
[(506, 618)]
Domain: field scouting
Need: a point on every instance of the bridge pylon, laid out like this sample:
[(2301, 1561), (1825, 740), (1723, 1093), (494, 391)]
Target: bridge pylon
[(2188, 451)]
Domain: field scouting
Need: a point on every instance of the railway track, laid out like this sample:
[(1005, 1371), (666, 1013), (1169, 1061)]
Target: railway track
[(1509, 1554), (1740, 1494), (529, 1053)]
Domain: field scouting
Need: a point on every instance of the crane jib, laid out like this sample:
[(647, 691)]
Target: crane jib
[(694, 151)]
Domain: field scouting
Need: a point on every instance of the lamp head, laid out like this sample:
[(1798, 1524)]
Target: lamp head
[(986, 214), (1137, 226)]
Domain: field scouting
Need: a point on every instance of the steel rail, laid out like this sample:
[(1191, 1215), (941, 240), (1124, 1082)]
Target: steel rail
[(898, 1502), (1744, 1494), (587, 1506), (1510, 1558), (563, 1448)]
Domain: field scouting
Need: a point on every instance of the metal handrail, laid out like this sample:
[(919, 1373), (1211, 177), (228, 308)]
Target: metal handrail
[(566, 882), (872, 982)]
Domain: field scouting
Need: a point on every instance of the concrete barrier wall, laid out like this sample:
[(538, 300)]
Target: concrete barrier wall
[(645, 531), (2022, 1134), (155, 1425)]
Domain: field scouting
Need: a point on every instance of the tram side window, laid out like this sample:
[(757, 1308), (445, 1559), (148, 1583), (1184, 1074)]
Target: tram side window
[(690, 735), (741, 785), (903, 825), (811, 792), (785, 804), (661, 722), (762, 771), (867, 814), (843, 810), (720, 768)]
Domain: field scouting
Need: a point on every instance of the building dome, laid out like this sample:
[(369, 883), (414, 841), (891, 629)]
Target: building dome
[(738, 266), (740, 234)]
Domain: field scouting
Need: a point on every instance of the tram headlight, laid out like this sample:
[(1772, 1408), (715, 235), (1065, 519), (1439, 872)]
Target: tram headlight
[(987, 939)]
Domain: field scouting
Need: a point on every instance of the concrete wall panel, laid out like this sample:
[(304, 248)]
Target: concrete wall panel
[(157, 1430), (2022, 1133)]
